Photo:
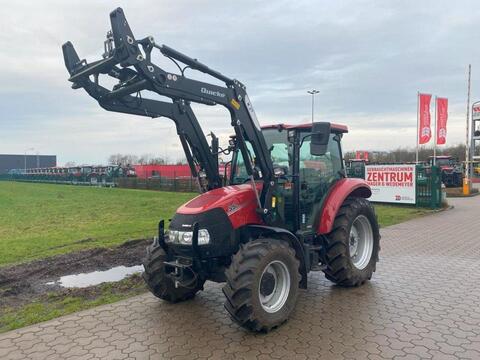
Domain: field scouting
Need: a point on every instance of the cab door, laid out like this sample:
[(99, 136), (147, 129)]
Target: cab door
[(317, 174)]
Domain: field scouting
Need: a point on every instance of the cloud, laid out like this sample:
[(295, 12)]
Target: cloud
[(368, 59)]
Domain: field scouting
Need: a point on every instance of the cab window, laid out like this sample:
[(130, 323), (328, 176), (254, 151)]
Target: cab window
[(239, 174), (280, 148)]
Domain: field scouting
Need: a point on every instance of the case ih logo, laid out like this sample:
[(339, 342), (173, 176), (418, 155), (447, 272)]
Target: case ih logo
[(426, 131), (212, 92), (232, 208)]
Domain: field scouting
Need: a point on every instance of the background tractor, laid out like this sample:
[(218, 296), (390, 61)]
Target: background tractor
[(287, 209), (451, 168), (356, 168)]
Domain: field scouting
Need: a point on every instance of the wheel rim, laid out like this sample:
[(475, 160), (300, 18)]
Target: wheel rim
[(361, 242), (274, 286)]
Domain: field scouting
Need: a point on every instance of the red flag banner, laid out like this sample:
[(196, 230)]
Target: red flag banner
[(442, 116), (425, 133)]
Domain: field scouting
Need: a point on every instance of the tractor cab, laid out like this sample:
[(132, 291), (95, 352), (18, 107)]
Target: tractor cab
[(303, 178), (445, 162), (74, 171), (87, 170)]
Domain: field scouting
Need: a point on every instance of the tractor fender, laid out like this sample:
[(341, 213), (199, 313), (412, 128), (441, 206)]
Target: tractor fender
[(284, 234), (336, 196)]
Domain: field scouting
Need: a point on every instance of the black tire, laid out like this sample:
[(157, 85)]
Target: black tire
[(340, 268), (161, 285), (243, 279)]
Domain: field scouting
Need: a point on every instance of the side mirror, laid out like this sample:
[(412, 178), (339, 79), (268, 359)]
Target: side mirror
[(320, 138)]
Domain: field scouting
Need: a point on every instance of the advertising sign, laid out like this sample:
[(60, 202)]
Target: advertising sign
[(391, 183), (476, 112)]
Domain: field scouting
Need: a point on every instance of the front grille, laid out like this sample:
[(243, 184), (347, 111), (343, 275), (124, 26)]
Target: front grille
[(218, 225)]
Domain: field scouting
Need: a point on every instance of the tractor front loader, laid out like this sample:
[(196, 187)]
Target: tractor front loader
[(288, 208)]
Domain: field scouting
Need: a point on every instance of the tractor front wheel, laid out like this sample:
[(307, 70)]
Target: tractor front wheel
[(161, 285), (352, 246), (262, 284)]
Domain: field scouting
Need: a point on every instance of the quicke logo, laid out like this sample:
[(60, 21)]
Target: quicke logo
[(212, 92)]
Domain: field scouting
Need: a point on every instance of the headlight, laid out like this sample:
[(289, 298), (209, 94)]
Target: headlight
[(172, 236), (203, 237), (185, 237)]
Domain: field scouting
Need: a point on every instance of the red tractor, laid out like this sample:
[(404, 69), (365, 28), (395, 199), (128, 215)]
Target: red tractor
[(288, 208), (451, 169)]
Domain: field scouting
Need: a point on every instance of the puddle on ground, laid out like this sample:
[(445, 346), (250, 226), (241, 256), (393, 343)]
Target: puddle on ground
[(97, 277)]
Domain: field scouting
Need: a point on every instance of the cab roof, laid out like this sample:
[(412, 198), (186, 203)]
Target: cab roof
[(336, 128)]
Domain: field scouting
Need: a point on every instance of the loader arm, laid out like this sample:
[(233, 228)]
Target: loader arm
[(129, 61), (194, 144)]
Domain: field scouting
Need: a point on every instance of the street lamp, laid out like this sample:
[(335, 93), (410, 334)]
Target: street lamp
[(313, 92), (25, 159)]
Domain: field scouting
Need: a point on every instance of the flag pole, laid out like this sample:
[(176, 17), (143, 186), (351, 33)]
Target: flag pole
[(435, 135), (416, 153)]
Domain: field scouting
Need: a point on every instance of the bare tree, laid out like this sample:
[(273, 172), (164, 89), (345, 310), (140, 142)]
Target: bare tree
[(407, 155), (157, 161), (129, 159), (151, 159), (181, 162), (123, 159)]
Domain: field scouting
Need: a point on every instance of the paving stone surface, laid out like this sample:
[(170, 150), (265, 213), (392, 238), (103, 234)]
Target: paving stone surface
[(423, 303)]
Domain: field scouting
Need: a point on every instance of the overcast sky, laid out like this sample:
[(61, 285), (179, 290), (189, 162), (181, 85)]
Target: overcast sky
[(368, 59)]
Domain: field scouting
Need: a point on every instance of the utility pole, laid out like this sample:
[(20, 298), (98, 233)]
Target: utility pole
[(313, 92), (466, 181)]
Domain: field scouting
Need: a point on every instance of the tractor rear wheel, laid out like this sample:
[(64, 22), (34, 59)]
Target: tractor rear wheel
[(262, 284), (161, 285), (352, 246)]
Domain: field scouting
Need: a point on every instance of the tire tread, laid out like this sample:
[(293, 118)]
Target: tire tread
[(338, 269), (240, 274), (158, 283)]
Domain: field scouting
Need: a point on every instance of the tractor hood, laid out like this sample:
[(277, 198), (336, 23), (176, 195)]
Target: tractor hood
[(238, 201)]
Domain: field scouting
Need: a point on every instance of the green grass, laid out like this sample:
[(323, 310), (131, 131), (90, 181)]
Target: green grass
[(53, 305), (40, 220), (395, 214)]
